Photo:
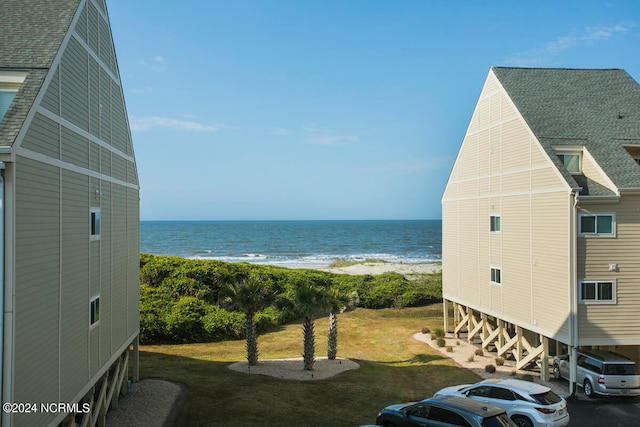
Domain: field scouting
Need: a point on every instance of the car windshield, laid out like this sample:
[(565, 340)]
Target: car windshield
[(620, 369), (547, 398), (501, 420)]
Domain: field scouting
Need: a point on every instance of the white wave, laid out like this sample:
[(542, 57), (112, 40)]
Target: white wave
[(260, 256), (319, 260)]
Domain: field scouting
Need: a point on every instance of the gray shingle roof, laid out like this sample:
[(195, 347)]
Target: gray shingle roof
[(31, 32), (596, 108)]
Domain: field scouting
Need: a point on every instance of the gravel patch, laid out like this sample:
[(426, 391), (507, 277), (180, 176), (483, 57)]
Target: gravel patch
[(156, 402), (149, 403), (462, 351), (293, 368)]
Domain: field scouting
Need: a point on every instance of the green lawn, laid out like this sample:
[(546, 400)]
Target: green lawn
[(394, 368)]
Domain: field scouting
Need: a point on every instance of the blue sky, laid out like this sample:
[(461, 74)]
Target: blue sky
[(330, 109)]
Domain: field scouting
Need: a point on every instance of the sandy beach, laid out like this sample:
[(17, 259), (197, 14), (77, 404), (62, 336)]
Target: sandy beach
[(374, 268)]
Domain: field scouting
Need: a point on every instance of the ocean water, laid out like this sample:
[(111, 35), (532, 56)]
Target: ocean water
[(309, 244)]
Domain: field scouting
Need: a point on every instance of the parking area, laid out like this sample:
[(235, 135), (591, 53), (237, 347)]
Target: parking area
[(610, 412), (584, 412)]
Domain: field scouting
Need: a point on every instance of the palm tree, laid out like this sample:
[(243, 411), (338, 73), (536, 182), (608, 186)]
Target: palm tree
[(333, 302), (308, 300), (250, 295)]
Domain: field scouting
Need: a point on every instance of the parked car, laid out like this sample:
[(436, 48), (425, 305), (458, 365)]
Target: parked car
[(607, 374), (527, 404), (443, 410)]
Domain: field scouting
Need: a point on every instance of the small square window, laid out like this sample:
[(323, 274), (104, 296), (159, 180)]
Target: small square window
[(94, 311), (496, 275), (571, 162), (94, 224), (597, 224), (495, 223)]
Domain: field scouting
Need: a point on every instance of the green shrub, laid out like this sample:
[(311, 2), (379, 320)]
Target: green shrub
[(154, 303), (184, 321), (499, 361), (426, 330), (179, 287), (449, 349), (221, 324), (441, 342), (479, 352), (438, 332), (157, 268), (490, 369)]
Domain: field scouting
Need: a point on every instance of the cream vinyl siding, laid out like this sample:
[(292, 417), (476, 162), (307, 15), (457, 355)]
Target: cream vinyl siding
[(618, 322), (502, 170), (550, 271), (591, 169), (450, 255)]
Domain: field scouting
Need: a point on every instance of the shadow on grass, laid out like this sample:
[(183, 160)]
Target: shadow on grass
[(424, 358), (219, 396)]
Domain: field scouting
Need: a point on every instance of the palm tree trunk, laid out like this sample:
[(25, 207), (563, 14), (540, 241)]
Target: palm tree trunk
[(252, 340), (332, 342), (309, 343)]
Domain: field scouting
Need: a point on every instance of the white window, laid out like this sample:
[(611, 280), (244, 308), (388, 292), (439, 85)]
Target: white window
[(496, 275), (597, 291), (597, 224), (94, 223), (571, 161), (495, 223), (94, 310)]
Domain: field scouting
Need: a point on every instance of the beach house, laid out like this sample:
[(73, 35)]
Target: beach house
[(541, 216), (69, 210)]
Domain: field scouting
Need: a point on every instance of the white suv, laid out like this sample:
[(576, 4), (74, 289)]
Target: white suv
[(607, 374), (528, 404)]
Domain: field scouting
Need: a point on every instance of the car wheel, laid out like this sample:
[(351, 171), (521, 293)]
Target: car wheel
[(521, 421), (556, 371), (588, 389)]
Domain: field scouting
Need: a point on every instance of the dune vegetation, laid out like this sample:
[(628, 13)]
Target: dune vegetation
[(192, 300)]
